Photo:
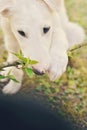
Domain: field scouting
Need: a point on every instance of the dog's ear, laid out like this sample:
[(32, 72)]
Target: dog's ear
[(53, 4), (5, 7)]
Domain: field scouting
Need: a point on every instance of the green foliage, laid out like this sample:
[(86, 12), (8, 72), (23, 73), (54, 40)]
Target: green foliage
[(24, 61), (11, 77), (2, 77), (69, 54), (25, 65), (71, 89), (29, 72), (39, 88)]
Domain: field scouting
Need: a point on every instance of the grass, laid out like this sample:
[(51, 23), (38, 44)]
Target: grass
[(70, 91)]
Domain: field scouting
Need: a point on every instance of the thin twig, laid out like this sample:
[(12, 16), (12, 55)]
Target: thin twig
[(9, 65), (75, 48)]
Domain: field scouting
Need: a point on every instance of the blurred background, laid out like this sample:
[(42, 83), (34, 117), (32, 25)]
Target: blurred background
[(67, 95)]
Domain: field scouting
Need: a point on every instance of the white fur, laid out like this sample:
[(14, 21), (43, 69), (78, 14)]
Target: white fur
[(50, 49)]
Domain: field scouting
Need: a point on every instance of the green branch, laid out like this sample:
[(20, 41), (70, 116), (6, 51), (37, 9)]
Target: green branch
[(71, 50), (6, 65), (76, 47), (26, 62)]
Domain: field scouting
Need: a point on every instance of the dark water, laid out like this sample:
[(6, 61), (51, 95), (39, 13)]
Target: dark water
[(23, 113)]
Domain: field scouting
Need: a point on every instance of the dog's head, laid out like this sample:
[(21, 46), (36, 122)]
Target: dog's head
[(32, 24)]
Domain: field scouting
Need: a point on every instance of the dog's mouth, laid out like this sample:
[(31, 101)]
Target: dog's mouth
[(38, 72)]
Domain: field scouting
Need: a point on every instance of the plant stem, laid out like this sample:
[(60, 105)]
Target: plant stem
[(9, 65), (75, 48)]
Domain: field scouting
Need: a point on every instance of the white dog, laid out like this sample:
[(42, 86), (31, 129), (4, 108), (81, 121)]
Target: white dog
[(41, 29)]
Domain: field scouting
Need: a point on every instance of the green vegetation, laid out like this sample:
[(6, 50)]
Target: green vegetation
[(25, 64), (69, 93)]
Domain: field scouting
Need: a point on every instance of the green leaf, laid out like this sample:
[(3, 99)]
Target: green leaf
[(29, 72), (47, 91), (69, 54), (20, 52), (32, 62), (51, 98), (9, 72), (56, 90), (25, 61), (2, 77), (39, 88), (12, 78)]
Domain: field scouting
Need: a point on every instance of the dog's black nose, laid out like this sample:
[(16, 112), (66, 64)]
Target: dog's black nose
[(38, 72)]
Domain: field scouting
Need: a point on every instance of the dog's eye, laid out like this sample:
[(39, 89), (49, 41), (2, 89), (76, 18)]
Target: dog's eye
[(22, 33), (46, 29)]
